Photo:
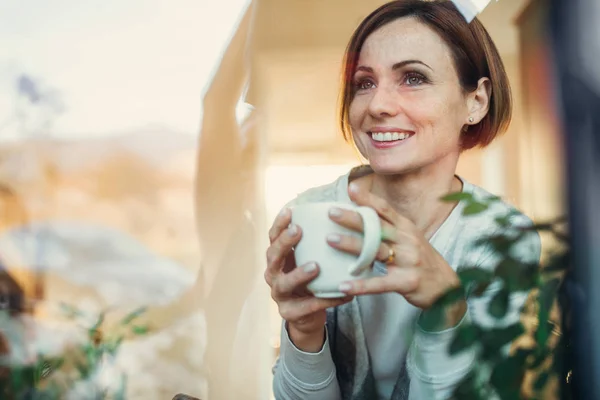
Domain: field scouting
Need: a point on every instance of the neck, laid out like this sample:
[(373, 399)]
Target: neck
[(416, 195)]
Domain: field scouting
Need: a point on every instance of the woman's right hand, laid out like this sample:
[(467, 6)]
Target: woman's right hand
[(304, 313)]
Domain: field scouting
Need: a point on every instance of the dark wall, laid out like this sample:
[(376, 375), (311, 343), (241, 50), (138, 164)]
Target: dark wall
[(574, 32)]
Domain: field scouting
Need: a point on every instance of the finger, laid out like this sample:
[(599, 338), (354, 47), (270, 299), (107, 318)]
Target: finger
[(353, 221), (296, 309), (353, 245), (346, 243), (385, 252), (281, 247), (286, 284), (401, 281), (290, 263), (282, 221), (346, 218)]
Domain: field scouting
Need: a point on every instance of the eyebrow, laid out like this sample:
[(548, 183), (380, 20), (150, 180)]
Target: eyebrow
[(395, 66)]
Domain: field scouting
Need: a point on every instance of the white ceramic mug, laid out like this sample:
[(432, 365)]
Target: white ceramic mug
[(335, 266)]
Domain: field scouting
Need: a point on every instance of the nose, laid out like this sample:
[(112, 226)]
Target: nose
[(385, 102)]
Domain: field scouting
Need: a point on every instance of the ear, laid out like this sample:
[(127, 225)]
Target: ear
[(478, 102)]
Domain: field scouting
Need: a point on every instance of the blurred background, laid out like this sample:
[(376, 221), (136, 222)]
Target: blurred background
[(117, 123)]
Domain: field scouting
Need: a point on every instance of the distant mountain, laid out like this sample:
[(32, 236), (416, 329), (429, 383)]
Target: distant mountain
[(156, 144)]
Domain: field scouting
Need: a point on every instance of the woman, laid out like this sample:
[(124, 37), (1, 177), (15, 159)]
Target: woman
[(420, 86)]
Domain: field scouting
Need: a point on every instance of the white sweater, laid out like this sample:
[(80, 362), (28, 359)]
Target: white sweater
[(392, 340)]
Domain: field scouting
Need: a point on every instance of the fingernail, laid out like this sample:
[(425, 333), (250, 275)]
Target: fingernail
[(292, 230), (344, 287), (284, 212), (335, 212), (334, 238), (310, 267), (353, 187)]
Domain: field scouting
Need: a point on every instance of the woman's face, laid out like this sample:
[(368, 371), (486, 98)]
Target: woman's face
[(409, 108)]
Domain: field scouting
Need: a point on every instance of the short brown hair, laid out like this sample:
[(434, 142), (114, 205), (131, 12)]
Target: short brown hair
[(475, 56)]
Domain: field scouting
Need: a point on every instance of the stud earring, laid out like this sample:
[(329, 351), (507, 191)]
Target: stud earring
[(471, 119)]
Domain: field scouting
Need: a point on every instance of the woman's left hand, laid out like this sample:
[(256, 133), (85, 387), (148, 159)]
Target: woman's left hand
[(417, 272)]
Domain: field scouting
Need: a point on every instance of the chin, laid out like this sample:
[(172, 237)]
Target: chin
[(389, 168)]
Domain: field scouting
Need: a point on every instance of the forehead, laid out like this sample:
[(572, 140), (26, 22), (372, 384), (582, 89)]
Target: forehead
[(405, 39)]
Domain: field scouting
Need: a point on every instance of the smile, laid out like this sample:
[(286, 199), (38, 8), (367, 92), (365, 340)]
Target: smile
[(389, 136), (386, 139)]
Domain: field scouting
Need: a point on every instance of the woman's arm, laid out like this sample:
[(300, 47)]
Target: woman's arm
[(308, 373), (300, 375)]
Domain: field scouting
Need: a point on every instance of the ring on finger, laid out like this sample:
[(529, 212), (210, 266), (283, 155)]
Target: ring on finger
[(391, 256)]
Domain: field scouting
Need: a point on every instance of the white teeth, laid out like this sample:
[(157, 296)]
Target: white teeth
[(389, 136)]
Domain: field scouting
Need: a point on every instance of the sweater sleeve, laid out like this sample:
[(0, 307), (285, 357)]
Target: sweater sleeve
[(299, 375), (433, 371)]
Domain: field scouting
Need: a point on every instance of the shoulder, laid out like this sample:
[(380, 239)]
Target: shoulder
[(329, 192), (496, 211), (499, 218)]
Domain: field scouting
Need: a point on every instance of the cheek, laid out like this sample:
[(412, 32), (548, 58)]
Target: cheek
[(356, 113), (439, 114), (353, 116)]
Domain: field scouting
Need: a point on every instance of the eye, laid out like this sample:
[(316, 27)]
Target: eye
[(364, 84), (414, 79)]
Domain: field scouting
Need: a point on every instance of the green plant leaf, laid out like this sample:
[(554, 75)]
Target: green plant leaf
[(91, 354), (557, 262), (518, 276), (503, 221), (71, 311), (16, 378), (546, 298), (501, 244), (539, 356), (506, 220), (474, 279), (431, 319), (457, 196), (494, 339), (121, 393), (474, 208), (468, 389), (493, 199), (99, 322), (83, 369), (507, 268), (451, 296), (465, 337), (541, 381), (499, 304), (112, 346), (505, 335), (507, 378), (133, 315), (140, 329), (480, 288), (47, 366), (474, 274), (527, 278)]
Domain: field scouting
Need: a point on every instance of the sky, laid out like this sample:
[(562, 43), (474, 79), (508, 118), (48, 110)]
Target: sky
[(115, 65)]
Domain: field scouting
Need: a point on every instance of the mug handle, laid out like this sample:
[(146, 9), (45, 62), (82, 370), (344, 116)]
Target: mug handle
[(371, 240)]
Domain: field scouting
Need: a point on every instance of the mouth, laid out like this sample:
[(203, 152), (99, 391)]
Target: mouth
[(387, 138)]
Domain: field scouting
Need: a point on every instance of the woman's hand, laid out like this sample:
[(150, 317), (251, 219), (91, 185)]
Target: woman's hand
[(417, 272), (304, 313)]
